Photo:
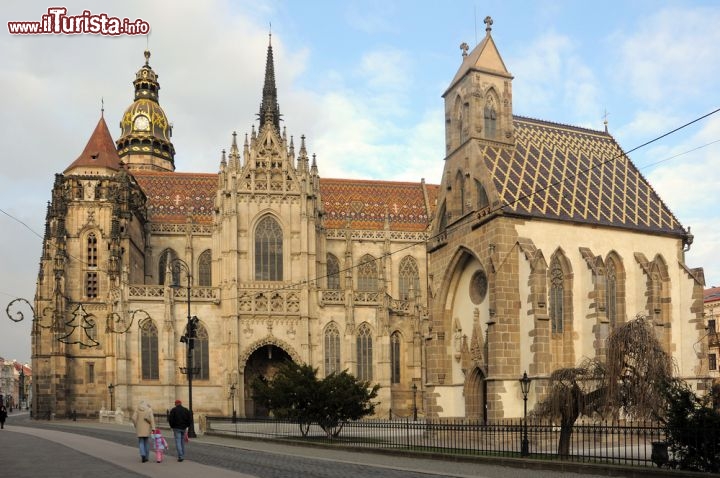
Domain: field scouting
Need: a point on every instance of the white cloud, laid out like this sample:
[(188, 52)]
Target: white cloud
[(671, 55)]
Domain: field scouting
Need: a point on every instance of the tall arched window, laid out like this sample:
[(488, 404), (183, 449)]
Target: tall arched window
[(395, 341), (460, 192), (149, 350), (201, 353), (205, 269), (332, 349), (268, 250), (333, 272), (409, 277), (92, 250), (367, 274), (611, 292), (557, 295), (166, 257), (490, 117), (482, 199), (364, 353)]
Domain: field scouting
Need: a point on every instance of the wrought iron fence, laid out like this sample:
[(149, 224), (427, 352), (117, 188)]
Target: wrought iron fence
[(606, 442)]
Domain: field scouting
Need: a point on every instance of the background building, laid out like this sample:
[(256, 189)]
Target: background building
[(540, 238)]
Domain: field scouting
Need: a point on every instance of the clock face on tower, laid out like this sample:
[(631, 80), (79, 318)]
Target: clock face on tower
[(141, 123)]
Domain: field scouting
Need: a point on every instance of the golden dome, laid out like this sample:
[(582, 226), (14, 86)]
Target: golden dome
[(144, 128)]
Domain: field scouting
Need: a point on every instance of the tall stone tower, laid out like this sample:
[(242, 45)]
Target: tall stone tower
[(94, 228)]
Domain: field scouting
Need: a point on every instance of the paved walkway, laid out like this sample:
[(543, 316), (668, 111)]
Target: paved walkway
[(28, 451), (37, 452)]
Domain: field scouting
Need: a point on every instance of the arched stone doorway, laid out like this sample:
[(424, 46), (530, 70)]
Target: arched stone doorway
[(476, 396), (263, 362)]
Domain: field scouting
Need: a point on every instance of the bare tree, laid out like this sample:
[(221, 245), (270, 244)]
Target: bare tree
[(630, 382)]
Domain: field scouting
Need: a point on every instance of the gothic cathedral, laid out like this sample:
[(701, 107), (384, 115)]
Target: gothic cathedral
[(539, 238)]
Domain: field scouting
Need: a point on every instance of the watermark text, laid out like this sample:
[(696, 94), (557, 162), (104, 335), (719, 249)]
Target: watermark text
[(58, 22)]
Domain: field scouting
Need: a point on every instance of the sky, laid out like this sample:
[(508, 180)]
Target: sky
[(363, 81)]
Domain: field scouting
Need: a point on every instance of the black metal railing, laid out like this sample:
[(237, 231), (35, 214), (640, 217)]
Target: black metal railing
[(603, 443)]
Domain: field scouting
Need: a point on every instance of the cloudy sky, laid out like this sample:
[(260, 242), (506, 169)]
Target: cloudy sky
[(363, 81)]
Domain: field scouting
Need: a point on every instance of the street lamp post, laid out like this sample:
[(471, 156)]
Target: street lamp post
[(232, 398), (189, 337), (111, 389), (525, 388), (21, 392), (414, 389)]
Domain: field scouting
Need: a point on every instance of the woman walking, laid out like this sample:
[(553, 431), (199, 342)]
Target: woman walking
[(144, 423)]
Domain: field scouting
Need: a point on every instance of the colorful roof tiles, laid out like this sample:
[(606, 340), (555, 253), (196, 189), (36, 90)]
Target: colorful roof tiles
[(359, 204), (567, 173), (363, 204), (173, 196)]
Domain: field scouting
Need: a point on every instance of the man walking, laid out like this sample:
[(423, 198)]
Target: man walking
[(179, 420)]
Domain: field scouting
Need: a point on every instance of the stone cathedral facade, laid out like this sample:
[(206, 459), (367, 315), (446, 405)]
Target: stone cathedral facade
[(536, 240)]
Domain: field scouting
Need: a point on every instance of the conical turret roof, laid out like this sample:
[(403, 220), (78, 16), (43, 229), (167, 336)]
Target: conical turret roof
[(99, 152)]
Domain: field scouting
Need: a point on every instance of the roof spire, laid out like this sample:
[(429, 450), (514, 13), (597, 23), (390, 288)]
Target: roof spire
[(269, 108)]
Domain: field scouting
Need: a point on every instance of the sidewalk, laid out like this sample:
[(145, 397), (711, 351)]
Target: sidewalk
[(32, 452)]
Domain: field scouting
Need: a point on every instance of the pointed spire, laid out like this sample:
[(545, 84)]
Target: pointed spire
[(223, 161), (99, 152), (302, 156), (234, 153), (269, 108)]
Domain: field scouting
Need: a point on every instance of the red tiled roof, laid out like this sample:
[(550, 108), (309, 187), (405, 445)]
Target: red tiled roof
[(99, 152), (711, 295), (365, 204), (172, 196)]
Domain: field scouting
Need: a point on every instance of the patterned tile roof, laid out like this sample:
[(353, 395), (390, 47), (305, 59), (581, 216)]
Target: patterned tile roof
[(568, 173), (365, 204), (171, 196)]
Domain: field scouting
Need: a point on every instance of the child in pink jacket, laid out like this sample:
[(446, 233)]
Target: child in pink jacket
[(159, 444)]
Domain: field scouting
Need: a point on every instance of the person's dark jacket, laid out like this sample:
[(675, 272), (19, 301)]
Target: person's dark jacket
[(179, 417)]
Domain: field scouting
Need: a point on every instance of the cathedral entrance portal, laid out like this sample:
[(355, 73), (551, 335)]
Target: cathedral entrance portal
[(263, 362)]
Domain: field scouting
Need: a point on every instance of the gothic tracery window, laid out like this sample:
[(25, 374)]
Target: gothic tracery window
[(333, 272), (409, 277), (482, 199), (332, 349), (268, 250), (364, 353), (201, 353), (92, 251), (166, 257), (367, 274), (611, 285), (490, 113), (557, 295), (205, 269), (149, 350), (395, 342)]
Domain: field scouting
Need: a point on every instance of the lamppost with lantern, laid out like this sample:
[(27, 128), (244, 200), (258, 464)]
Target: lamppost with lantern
[(21, 392), (111, 389), (525, 389), (414, 389), (232, 399), (188, 339)]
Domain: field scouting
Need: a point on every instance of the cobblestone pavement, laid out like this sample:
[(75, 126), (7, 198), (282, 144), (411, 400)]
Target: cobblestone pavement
[(109, 451)]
